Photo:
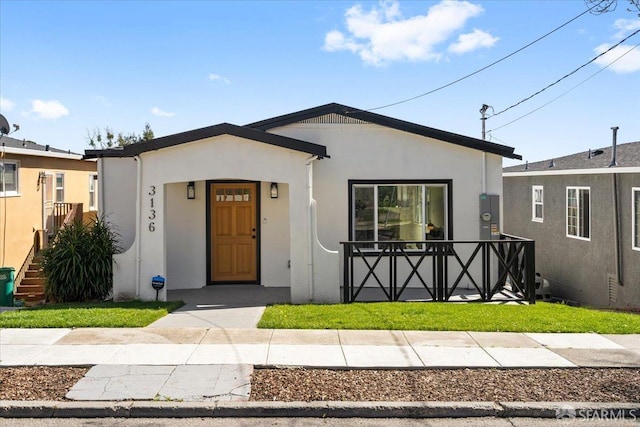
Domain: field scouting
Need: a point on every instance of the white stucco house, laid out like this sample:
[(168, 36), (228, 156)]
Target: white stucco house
[(268, 203)]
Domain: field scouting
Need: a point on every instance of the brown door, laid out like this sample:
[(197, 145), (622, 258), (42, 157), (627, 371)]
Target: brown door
[(233, 232)]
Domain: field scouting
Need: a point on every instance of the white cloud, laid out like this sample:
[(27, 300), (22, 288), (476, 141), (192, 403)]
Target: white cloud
[(6, 104), (629, 63), (217, 77), (49, 109), (382, 35), (158, 112), (472, 41), (625, 26)]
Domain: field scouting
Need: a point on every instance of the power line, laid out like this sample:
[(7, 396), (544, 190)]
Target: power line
[(483, 68), (568, 74), (566, 92)]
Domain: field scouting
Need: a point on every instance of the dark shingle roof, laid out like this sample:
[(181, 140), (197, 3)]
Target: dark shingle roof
[(627, 155), (30, 145)]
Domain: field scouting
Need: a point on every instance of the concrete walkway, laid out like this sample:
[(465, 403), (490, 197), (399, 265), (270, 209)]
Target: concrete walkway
[(201, 364)]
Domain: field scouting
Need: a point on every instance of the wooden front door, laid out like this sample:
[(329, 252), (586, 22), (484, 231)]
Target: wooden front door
[(233, 232)]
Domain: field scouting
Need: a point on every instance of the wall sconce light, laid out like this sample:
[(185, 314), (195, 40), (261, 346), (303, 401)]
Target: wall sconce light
[(191, 190), (274, 190)]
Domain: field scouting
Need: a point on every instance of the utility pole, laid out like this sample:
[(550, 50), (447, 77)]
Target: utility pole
[(483, 111)]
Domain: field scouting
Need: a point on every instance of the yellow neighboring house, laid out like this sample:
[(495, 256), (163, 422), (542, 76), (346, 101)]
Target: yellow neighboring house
[(38, 185)]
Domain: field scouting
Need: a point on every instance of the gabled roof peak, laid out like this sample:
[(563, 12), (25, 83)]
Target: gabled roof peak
[(374, 118)]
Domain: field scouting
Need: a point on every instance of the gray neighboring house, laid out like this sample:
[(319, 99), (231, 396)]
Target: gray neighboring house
[(584, 214)]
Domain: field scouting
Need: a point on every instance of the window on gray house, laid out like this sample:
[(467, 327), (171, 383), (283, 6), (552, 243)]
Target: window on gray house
[(537, 203), (578, 212), (399, 211)]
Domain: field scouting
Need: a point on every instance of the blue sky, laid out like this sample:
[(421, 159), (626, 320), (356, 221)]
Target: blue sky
[(68, 67)]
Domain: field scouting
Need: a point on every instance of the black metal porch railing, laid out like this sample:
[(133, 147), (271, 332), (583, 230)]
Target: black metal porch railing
[(492, 269)]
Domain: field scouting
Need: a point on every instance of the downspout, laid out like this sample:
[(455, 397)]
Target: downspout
[(484, 172), (100, 185), (309, 165), (616, 208), (138, 220)]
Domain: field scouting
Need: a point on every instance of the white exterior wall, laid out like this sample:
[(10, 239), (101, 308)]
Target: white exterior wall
[(176, 249), (357, 152), (274, 236), (117, 189), (375, 152)]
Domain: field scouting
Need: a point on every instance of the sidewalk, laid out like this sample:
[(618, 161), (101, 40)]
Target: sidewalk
[(207, 372), (314, 348)]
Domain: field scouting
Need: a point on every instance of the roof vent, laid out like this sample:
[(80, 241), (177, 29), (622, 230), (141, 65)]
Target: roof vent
[(597, 152), (552, 164), (46, 147), (526, 165)]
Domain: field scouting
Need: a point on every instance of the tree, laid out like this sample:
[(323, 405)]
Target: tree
[(96, 139), (604, 6)]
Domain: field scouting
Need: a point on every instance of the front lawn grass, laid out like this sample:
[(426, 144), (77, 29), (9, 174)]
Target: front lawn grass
[(420, 316), (129, 314)]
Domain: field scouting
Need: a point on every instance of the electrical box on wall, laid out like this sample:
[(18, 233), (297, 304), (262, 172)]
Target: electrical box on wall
[(489, 217)]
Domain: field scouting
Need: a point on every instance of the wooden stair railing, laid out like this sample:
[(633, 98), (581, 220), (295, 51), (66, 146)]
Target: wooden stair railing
[(29, 281)]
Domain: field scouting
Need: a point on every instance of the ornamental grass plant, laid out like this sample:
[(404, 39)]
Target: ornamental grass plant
[(78, 264)]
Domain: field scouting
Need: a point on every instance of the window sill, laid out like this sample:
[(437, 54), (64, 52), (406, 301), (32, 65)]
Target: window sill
[(10, 194), (540, 220), (584, 239)]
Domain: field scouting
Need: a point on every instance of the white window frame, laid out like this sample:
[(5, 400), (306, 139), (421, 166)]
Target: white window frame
[(56, 188), (534, 203), (15, 192), (635, 219), (93, 192), (579, 213)]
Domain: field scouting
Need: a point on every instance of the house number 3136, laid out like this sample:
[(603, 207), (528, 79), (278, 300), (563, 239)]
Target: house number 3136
[(152, 211)]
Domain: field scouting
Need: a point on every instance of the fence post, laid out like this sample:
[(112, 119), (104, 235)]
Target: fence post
[(346, 283), (440, 271), (529, 269)]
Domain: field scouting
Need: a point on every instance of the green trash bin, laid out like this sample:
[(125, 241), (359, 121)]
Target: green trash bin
[(6, 286)]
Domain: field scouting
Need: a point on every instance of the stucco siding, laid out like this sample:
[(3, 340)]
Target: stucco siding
[(117, 188), (21, 214), (360, 152), (175, 245), (578, 270)]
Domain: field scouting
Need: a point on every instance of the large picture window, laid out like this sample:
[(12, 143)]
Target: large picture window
[(635, 207), (8, 178), (399, 211), (537, 203), (578, 212)]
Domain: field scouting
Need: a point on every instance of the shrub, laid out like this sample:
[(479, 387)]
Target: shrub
[(78, 264)]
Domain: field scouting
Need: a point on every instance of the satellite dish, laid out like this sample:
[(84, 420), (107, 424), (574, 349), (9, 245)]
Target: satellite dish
[(4, 125)]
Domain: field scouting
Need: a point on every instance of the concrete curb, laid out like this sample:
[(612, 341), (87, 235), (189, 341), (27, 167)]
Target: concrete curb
[(158, 409)]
